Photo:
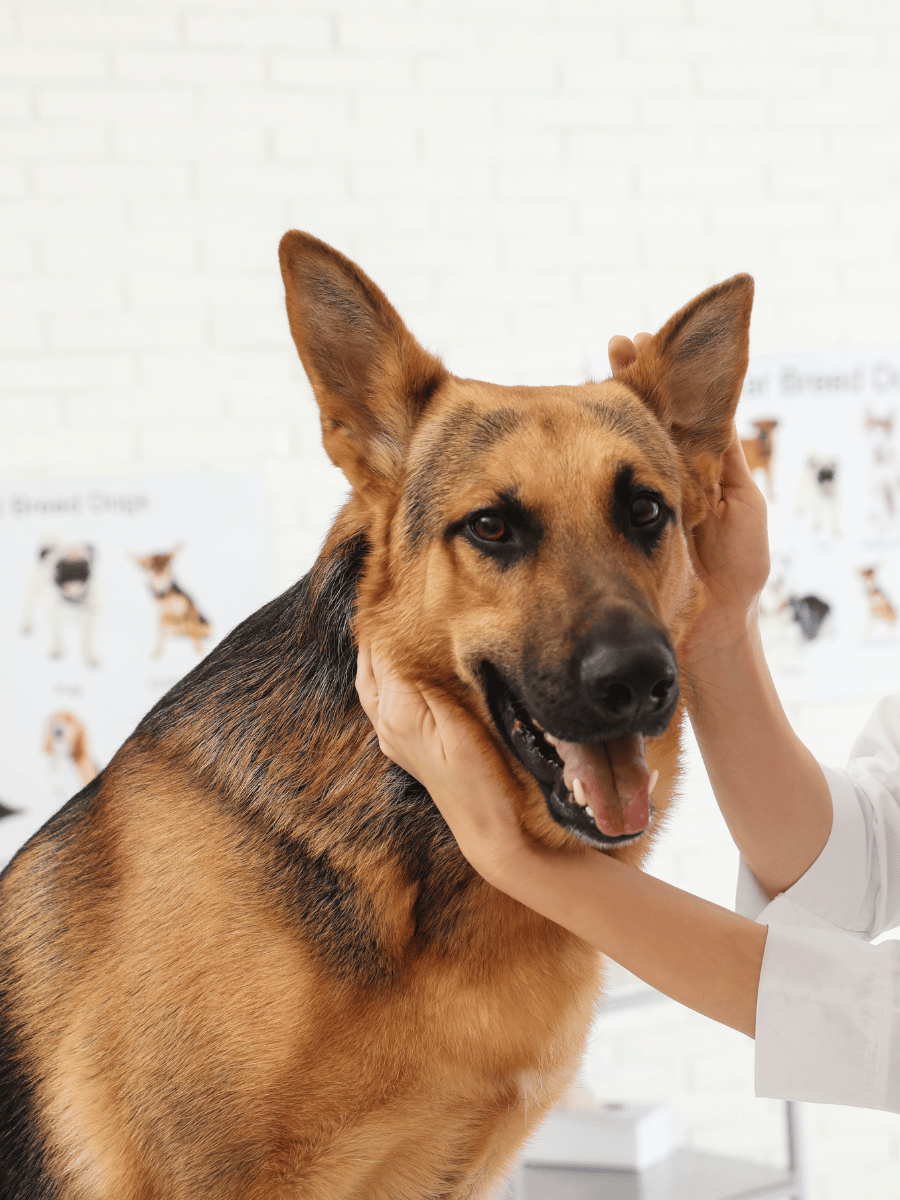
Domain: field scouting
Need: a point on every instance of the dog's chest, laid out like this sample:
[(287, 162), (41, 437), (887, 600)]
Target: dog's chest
[(522, 1018)]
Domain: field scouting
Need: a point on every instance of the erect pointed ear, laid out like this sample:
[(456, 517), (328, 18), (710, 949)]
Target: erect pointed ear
[(371, 378), (692, 371)]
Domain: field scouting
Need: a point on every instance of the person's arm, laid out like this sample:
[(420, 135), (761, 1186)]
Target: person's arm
[(769, 787), (704, 956), (771, 790)]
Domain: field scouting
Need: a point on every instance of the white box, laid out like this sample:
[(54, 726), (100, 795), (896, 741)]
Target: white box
[(624, 1136)]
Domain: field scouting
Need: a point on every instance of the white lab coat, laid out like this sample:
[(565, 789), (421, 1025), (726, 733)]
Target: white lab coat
[(828, 1014)]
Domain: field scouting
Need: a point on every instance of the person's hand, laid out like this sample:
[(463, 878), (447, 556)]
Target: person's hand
[(436, 741), (730, 547), (700, 954)]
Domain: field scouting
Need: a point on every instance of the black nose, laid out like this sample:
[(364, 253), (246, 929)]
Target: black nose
[(630, 676)]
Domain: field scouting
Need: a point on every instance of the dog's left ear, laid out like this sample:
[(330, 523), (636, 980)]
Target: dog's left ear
[(371, 378), (692, 371)]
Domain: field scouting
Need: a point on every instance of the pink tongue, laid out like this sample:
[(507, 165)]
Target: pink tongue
[(615, 780)]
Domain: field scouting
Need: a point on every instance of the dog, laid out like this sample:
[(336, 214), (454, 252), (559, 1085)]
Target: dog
[(177, 612), (879, 606), (66, 743), (884, 473), (790, 620), (759, 450), (63, 582), (819, 495), (249, 960), (809, 612)]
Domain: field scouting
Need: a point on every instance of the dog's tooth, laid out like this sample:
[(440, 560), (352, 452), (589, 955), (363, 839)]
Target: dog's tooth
[(578, 793), (548, 737), (654, 779), (587, 809)]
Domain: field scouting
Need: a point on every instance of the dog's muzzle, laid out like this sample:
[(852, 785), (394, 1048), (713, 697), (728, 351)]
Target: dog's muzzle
[(584, 745)]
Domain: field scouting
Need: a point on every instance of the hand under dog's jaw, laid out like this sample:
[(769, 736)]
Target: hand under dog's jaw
[(598, 790)]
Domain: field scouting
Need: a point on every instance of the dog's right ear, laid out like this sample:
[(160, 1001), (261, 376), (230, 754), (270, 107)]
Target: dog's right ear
[(370, 376), (691, 372)]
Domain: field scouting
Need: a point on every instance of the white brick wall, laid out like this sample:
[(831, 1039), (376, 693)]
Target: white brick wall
[(523, 177)]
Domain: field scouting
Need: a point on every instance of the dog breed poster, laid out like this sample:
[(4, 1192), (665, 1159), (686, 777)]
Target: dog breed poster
[(114, 589), (821, 431)]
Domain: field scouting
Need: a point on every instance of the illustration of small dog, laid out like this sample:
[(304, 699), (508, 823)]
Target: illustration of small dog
[(880, 607), (67, 743), (759, 451), (63, 583), (784, 611), (809, 612), (177, 612), (884, 473), (818, 495)]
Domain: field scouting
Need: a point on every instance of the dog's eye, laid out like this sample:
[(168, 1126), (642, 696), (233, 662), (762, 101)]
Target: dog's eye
[(644, 510), (490, 528)]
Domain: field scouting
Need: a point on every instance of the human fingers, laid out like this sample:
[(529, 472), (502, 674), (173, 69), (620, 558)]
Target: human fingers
[(737, 482), (735, 468), (366, 684), (394, 708), (392, 705), (622, 352)]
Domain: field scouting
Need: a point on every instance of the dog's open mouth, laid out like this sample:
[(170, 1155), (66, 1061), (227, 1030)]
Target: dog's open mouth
[(600, 791)]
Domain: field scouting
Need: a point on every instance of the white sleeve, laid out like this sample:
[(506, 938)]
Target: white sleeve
[(828, 1019), (828, 1013), (854, 884)]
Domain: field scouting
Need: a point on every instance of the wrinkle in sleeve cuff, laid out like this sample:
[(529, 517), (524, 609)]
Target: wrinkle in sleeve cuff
[(750, 899), (833, 894), (828, 1019), (836, 886)]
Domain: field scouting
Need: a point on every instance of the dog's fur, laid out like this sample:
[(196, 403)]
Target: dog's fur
[(178, 615), (248, 961)]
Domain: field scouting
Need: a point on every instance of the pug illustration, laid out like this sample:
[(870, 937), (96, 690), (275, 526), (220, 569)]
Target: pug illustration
[(63, 585)]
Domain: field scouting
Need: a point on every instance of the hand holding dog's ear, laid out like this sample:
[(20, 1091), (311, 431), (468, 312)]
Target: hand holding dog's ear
[(730, 548), (623, 351)]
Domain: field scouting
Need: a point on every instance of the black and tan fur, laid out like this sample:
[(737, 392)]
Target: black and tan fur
[(248, 960)]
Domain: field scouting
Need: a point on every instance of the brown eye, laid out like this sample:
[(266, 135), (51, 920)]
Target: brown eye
[(490, 528), (644, 510)]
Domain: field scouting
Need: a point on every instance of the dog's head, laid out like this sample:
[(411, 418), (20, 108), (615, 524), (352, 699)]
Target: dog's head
[(158, 567), (70, 569), (66, 736), (528, 544)]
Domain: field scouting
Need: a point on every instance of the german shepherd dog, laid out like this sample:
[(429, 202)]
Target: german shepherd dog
[(248, 960)]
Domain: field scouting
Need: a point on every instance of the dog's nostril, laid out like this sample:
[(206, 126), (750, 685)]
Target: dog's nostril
[(616, 697), (660, 691)]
